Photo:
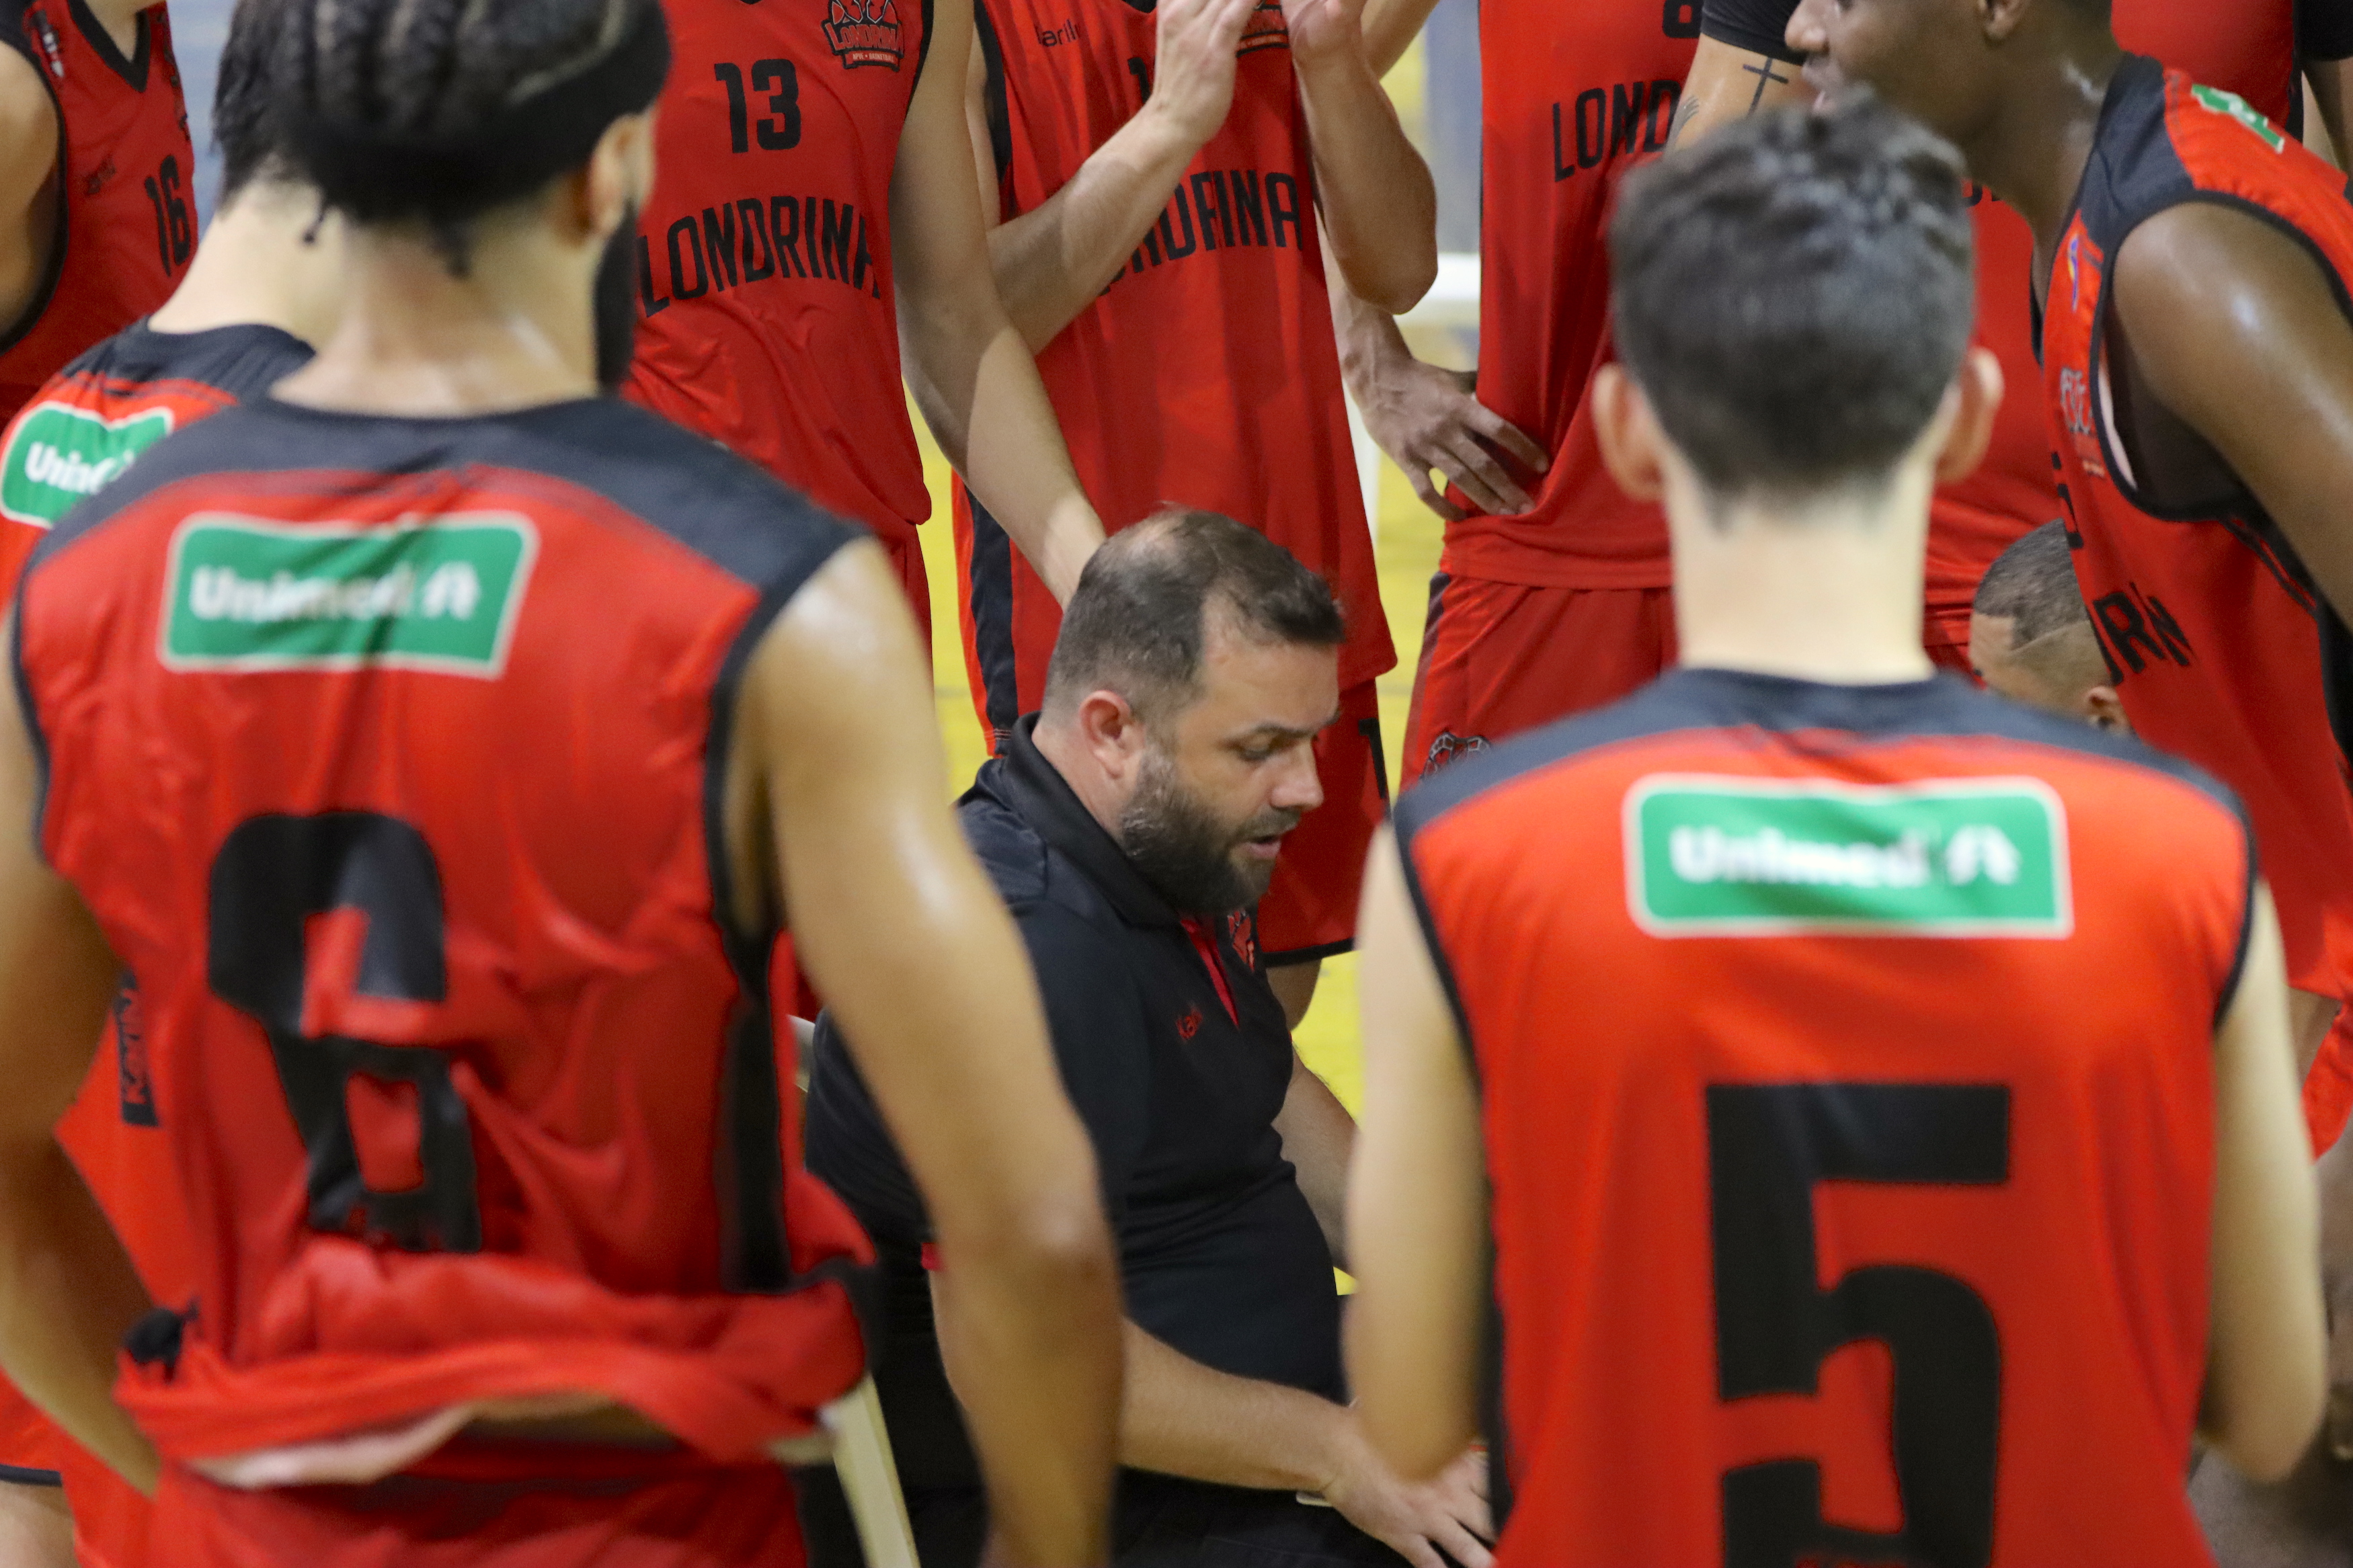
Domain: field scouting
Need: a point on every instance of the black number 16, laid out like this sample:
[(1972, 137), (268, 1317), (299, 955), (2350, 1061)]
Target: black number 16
[(1768, 1144)]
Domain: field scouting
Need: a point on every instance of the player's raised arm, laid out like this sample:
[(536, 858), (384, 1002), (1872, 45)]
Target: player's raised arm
[(67, 1291), (28, 176), (1417, 1196), (1744, 63), (971, 371), (2264, 1373), (1390, 27), (1379, 205), (918, 958)]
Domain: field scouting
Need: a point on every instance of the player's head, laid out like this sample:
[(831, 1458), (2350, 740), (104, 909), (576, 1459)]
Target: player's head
[(463, 130), (2032, 640), (1793, 301), (1948, 62), (1197, 661), (245, 112)]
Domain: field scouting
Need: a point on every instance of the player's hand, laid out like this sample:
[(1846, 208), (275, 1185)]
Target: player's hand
[(1193, 82), (1447, 1513), (1323, 30), (1425, 418)]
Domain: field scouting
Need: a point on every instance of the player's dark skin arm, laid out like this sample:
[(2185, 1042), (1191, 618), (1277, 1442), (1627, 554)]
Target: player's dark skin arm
[(29, 207), (67, 1291), (2328, 79)]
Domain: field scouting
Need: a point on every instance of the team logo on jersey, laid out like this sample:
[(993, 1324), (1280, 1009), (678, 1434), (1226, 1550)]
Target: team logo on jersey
[(865, 33), (2232, 107), (1450, 747), (440, 596), (59, 454), (1244, 937), (1266, 29), (1743, 856)]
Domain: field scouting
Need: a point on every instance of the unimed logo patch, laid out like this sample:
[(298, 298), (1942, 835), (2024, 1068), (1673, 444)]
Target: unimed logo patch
[(1735, 856), (440, 596), (61, 454)]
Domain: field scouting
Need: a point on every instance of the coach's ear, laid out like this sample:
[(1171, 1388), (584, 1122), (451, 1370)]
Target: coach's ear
[(1974, 400), (1633, 447)]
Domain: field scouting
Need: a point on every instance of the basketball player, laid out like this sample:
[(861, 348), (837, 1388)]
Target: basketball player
[(477, 735), (814, 210), (1552, 593), (1154, 176), (96, 218), (2032, 640), (1847, 1224)]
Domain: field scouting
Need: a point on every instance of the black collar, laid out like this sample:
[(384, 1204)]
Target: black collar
[(133, 70), (1037, 794)]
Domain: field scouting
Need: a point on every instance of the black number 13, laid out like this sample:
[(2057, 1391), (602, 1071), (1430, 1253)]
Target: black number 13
[(781, 128), (1774, 1325)]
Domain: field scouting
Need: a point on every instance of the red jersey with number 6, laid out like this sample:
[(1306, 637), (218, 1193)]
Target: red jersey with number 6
[(1835, 1221), (124, 166), (1575, 95), (769, 321), (2225, 651), (383, 751)]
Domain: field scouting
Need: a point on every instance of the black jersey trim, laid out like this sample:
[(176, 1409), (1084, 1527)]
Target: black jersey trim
[(999, 109), (26, 1476), (994, 650), (133, 71), (1404, 831), (2323, 31), (1495, 1415), (1760, 26), (1291, 957), (923, 49), (2228, 997)]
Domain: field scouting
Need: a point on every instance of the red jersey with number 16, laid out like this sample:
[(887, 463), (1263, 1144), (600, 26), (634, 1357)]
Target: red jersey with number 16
[(768, 320), (1835, 1220), (2225, 651), (124, 163), (383, 751), (1575, 95)]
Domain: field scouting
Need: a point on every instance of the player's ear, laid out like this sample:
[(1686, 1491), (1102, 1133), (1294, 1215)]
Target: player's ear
[(1971, 406), (1633, 444), (2000, 18), (2106, 710), (616, 179)]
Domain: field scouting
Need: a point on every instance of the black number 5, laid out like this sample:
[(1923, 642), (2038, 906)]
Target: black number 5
[(272, 875), (1774, 1325)]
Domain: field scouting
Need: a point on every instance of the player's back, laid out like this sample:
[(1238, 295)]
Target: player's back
[(386, 752), (1845, 1059)]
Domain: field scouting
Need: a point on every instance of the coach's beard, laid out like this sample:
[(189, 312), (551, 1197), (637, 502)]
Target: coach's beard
[(1192, 858), (615, 304)]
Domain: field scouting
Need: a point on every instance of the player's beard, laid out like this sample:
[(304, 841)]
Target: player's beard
[(616, 303), (1186, 851)]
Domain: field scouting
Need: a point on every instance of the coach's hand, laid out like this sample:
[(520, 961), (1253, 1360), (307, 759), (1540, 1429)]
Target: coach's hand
[(1425, 418), (1193, 79), (1447, 1513)]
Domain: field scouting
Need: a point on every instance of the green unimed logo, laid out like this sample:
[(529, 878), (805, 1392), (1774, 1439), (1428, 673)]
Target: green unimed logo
[(60, 454), (1730, 857), (2240, 110), (441, 595)]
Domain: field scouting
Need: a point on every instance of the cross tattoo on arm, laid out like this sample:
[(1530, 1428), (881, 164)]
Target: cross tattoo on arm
[(1765, 75)]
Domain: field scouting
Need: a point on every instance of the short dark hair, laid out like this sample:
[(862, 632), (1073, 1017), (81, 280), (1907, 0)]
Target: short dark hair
[(245, 120), (2033, 585), (1794, 294), (1137, 621)]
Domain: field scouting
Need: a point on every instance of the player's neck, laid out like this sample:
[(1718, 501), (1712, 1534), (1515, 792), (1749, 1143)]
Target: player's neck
[(1823, 591), (269, 260), (2033, 152), (417, 341)]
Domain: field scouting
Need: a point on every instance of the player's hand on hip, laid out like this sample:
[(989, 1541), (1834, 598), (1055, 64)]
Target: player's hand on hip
[(1323, 30), (1193, 77), (1416, 1519), (1427, 418)]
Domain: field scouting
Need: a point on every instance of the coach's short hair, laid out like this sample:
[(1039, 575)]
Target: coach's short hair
[(1137, 621), (2033, 585), (1794, 295)]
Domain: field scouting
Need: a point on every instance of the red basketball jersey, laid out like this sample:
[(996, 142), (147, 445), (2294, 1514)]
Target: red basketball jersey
[(1206, 375), (2223, 651), (768, 320), (124, 166), (1575, 95), (1836, 1218), (384, 752)]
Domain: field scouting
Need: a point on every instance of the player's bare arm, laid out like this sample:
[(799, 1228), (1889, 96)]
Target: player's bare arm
[(1318, 1136), (838, 805), (970, 370), (1742, 66), (2264, 1374), (1417, 1201), (1053, 262), (67, 1291), (29, 208), (1378, 202), (1391, 28), (2326, 80)]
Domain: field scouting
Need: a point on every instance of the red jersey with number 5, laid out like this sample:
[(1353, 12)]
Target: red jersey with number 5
[(1835, 1220), (2223, 651), (383, 753), (125, 167), (768, 318), (1575, 95)]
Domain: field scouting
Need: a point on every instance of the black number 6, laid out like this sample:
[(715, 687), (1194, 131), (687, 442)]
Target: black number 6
[(272, 876), (1774, 1325)]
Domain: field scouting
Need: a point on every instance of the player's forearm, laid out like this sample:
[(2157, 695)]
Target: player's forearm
[(1390, 27), (67, 1296), (1369, 336), (1379, 204), (1053, 262), (1182, 1418), (1318, 1136)]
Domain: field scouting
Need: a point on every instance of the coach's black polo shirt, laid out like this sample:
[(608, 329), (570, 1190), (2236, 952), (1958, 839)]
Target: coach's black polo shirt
[(1178, 1078)]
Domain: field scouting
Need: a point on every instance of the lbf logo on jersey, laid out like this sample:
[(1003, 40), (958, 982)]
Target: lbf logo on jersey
[(865, 33), (59, 454)]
